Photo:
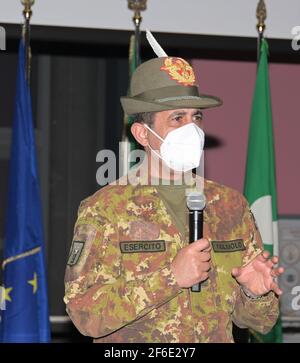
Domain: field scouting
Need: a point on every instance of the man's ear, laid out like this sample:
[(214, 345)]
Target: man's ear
[(140, 133)]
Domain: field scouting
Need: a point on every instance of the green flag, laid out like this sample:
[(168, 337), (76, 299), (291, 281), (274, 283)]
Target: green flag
[(128, 142), (132, 67), (260, 181)]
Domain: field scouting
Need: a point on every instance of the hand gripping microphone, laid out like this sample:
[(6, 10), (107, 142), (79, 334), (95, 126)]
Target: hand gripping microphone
[(196, 203)]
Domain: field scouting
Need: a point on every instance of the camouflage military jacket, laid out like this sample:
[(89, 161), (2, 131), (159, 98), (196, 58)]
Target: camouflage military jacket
[(119, 286)]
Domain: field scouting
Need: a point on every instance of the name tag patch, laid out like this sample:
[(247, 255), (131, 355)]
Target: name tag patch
[(228, 246), (142, 246)]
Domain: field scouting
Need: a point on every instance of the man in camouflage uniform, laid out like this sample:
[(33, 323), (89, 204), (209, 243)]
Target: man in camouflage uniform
[(131, 266)]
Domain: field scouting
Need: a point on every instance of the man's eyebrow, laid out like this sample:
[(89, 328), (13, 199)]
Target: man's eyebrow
[(198, 112), (177, 113), (183, 113)]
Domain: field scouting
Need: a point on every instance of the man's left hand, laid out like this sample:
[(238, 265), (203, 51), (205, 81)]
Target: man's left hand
[(259, 276)]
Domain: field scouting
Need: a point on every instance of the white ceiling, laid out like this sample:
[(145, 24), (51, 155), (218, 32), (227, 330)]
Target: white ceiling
[(215, 17)]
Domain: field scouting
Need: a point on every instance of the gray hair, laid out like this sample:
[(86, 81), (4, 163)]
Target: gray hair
[(144, 118)]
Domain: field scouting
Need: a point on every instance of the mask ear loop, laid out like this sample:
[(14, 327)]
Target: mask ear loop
[(155, 134)]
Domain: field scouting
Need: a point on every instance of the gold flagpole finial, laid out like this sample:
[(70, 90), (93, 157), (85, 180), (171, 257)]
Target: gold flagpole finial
[(137, 6), (27, 12), (261, 15)]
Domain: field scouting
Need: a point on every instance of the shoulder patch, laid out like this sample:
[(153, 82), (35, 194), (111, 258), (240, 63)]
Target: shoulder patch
[(75, 253)]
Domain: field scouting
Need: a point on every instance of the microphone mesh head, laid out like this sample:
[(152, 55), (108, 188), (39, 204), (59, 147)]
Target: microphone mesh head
[(195, 201)]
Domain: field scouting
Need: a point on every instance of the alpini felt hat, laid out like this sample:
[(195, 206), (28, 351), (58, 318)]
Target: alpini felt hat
[(165, 83)]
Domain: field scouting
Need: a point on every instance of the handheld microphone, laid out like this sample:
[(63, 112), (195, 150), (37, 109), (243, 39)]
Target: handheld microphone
[(196, 203)]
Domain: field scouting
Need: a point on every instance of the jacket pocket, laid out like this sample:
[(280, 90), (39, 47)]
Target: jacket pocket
[(225, 256), (140, 258)]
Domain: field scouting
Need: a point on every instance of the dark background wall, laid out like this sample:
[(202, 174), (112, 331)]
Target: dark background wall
[(77, 79), (234, 82)]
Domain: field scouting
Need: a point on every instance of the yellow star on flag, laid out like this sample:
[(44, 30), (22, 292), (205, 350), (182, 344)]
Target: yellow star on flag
[(34, 282), (7, 291)]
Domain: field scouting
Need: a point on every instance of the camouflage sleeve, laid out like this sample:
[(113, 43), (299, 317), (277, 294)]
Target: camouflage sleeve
[(257, 314), (98, 298)]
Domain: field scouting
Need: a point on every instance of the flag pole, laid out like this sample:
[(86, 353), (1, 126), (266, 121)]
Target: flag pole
[(134, 60), (27, 13), (137, 6), (261, 15)]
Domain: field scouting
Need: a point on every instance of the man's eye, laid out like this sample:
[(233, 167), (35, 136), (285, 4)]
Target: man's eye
[(198, 117), (177, 118)]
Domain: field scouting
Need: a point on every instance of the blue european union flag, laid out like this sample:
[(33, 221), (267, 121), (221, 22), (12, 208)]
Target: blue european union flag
[(25, 318)]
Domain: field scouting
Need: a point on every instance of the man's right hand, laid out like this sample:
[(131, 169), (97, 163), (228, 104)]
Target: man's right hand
[(192, 263)]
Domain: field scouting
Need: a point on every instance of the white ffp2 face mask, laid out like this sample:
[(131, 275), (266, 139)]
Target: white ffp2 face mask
[(182, 148)]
